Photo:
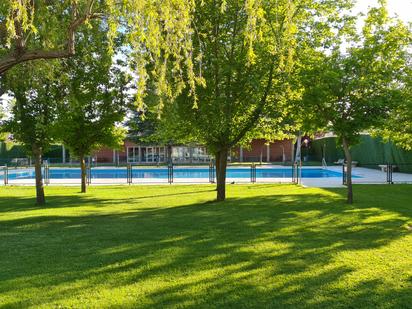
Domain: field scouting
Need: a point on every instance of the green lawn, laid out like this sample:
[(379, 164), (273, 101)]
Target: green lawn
[(146, 246)]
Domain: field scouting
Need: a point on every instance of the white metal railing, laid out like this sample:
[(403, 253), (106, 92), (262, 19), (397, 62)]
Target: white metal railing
[(324, 165)]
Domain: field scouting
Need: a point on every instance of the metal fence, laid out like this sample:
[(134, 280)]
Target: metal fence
[(398, 173), (132, 174), (372, 173), (379, 173), (212, 172)]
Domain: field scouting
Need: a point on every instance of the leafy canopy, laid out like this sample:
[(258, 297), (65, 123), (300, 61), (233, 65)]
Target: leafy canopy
[(353, 91), (33, 108), (95, 97), (248, 52), (156, 31)]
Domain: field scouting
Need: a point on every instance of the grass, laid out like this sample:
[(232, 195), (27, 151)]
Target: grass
[(161, 247)]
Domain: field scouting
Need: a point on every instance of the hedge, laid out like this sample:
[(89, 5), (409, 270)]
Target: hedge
[(370, 151), (9, 150)]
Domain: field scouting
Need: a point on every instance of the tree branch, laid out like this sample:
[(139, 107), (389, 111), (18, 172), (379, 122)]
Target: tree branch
[(258, 110), (21, 54)]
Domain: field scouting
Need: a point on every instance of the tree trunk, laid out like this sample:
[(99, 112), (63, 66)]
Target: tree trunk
[(83, 174), (348, 157), (37, 153), (221, 165)]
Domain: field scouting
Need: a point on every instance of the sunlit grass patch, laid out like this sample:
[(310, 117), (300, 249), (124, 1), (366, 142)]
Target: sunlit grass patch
[(173, 246)]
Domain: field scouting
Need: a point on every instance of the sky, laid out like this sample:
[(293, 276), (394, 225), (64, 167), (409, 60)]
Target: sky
[(402, 8)]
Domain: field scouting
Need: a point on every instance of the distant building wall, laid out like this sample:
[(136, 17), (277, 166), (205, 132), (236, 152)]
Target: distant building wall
[(258, 150), (108, 155)]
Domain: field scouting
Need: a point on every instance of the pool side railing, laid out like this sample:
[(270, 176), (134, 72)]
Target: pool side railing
[(388, 172)]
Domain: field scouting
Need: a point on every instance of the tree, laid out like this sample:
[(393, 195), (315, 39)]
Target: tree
[(85, 126), (95, 100), (33, 112), (352, 92), (247, 51), (141, 125)]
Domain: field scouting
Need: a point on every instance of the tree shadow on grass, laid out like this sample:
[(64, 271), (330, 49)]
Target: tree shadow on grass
[(385, 197), (263, 251), (20, 204)]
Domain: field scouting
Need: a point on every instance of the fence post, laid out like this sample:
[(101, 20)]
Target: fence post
[(6, 175), (46, 173), (211, 173), (389, 173), (253, 173), (89, 174), (344, 176), (129, 174), (170, 173)]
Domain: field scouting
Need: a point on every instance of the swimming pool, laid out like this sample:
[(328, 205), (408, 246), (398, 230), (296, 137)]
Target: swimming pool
[(179, 172)]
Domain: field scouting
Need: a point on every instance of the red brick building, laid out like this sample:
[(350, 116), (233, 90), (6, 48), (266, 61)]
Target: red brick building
[(258, 151), (262, 151)]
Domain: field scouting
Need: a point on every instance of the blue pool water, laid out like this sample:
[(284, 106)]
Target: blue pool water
[(161, 173)]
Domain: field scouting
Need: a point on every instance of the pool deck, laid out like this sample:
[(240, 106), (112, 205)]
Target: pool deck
[(367, 176)]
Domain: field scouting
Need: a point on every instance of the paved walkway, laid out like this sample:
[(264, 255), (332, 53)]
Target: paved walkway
[(366, 176)]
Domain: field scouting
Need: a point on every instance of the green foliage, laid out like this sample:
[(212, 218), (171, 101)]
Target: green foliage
[(156, 32), (42, 23), (34, 108), (141, 126), (354, 91), (10, 150), (95, 97), (248, 51), (159, 33), (398, 128)]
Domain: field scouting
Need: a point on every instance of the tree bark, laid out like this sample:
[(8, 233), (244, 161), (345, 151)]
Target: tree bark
[(221, 165), (83, 174), (37, 153), (348, 157)]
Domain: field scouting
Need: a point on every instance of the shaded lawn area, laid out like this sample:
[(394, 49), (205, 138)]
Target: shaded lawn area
[(147, 246)]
